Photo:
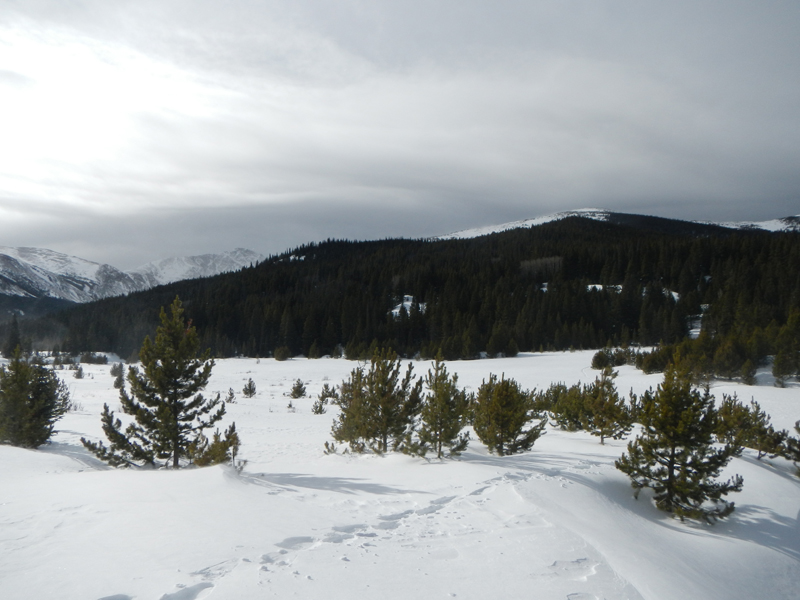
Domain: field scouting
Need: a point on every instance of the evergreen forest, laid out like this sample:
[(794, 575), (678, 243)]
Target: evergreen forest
[(575, 283)]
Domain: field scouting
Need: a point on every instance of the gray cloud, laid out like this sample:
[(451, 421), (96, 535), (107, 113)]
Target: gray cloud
[(189, 127)]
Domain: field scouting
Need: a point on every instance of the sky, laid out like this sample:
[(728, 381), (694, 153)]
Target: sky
[(135, 130)]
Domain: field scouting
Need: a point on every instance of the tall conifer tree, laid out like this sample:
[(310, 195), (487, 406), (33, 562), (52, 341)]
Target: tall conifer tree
[(165, 401), (675, 455), (32, 399)]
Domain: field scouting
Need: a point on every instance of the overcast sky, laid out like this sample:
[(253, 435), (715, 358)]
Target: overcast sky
[(136, 130)]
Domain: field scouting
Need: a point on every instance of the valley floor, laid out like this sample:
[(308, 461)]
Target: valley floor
[(556, 522)]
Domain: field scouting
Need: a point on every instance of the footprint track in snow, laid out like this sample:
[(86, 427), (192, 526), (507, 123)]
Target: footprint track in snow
[(577, 570)]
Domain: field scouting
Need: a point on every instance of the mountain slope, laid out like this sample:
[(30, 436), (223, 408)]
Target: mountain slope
[(38, 272), (192, 267), (644, 222), (42, 273), (606, 284)]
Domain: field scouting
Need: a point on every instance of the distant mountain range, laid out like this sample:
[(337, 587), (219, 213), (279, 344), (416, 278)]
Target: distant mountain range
[(584, 279), (35, 281), (37, 273), (645, 222)]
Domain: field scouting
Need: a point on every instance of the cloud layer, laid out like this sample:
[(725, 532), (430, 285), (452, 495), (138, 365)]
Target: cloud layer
[(138, 130)]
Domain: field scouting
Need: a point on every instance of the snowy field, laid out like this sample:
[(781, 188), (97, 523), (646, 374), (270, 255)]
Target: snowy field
[(556, 522)]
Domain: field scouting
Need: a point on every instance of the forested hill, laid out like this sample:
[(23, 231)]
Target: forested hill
[(576, 283)]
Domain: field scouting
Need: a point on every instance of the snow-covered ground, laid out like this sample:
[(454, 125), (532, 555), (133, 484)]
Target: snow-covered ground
[(556, 522)]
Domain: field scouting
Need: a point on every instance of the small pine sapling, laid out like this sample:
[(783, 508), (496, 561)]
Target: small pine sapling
[(298, 389), (605, 414), (118, 372), (734, 421), (567, 405), (221, 450), (249, 389), (750, 427), (501, 412), (445, 412), (378, 407), (327, 394), (602, 359), (762, 436)]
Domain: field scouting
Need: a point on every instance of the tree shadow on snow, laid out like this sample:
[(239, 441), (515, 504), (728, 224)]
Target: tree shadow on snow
[(77, 453), (342, 485), (752, 523), (762, 526)]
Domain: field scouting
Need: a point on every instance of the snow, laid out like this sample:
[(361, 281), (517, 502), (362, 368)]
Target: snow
[(52, 261), (599, 287), (168, 270), (598, 214), (785, 224), (556, 522), (407, 303), (590, 213), (36, 272)]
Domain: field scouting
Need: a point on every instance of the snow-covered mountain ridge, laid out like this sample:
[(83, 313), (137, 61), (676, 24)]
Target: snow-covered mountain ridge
[(38, 272), (791, 223)]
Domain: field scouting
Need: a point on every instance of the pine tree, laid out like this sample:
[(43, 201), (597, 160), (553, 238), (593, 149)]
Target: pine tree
[(298, 389), (749, 427), (117, 371), (221, 450), (32, 400), (14, 340), (501, 412), (352, 424), (782, 368), (165, 401), (748, 372), (761, 436), (567, 406), (327, 394), (249, 389), (378, 407), (675, 456), (734, 421), (605, 413), (445, 412)]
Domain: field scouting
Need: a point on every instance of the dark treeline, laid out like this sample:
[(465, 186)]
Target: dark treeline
[(525, 289)]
